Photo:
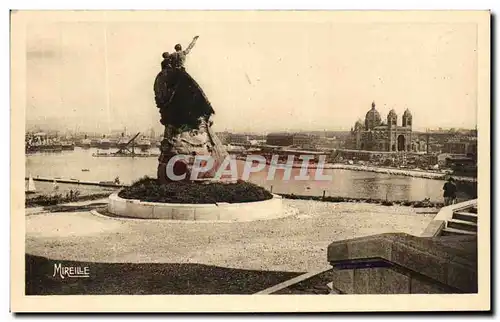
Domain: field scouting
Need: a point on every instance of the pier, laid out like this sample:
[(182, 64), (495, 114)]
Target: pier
[(108, 184)]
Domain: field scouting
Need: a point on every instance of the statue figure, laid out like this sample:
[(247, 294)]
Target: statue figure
[(186, 114)]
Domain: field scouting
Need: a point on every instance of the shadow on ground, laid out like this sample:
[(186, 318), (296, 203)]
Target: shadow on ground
[(127, 278)]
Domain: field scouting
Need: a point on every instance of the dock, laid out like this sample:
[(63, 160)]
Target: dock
[(108, 184)]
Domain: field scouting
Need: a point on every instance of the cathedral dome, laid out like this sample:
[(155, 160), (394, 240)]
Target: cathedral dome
[(372, 118), (358, 125), (392, 114), (407, 113)]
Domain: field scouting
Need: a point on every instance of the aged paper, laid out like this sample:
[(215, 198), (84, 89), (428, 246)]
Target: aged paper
[(380, 120)]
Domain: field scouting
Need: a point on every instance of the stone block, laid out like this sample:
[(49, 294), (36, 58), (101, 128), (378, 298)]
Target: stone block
[(207, 212), (419, 261), (361, 280), (183, 213), (136, 209), (343, 280), (337, 252), (419, 286), (462, 277), (393, 282), (375, 276), (361, 249), (116, 205), (434, 228), (162, 212)]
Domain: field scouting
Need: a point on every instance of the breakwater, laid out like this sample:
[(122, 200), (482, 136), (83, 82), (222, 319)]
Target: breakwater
[(402, 172), (108, 184)]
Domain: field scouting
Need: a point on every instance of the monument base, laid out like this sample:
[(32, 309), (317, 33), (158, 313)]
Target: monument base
[(218, 211)]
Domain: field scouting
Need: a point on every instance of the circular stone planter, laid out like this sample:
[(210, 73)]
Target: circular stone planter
[(245, 211)]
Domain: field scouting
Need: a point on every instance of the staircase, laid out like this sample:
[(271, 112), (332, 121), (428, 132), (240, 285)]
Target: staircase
[(463, 221)]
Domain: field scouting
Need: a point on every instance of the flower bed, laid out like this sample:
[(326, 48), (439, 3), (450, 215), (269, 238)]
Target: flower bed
[(414, 204), (56, 199), (178, 192)]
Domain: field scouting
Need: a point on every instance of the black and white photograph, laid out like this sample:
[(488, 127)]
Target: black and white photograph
[(257, 153)]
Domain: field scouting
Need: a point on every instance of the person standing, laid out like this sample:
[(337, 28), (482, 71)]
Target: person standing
[(450, 192)]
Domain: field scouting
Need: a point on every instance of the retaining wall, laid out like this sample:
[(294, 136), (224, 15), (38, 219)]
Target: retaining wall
[(248, 211)]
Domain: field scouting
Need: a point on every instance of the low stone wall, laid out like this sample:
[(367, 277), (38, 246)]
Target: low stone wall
[(248, 211), (404, 264)]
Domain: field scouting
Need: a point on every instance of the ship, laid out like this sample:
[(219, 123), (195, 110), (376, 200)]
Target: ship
[(46, 146), (122, 142), (143, 144), (94, 143), (67, 146), (104, 144), (85, 143), (128, 150), (125, 154)]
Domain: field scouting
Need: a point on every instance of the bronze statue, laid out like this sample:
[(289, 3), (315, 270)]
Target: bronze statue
[(185, 112)]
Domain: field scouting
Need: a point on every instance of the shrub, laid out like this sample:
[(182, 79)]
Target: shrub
[(148, 189)]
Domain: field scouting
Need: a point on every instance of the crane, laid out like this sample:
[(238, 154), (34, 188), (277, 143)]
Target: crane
[(125, 148)]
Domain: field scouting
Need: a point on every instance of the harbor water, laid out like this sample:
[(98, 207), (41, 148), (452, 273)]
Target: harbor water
[(344, 183)]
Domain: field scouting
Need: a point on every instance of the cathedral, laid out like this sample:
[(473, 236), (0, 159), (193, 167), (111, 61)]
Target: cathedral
[(376, 135)]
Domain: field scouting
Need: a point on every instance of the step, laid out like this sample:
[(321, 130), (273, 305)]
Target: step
[(466, 216), (461, 224), (452, 231)]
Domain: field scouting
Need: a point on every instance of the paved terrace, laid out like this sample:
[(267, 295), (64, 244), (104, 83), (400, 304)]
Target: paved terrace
[(296, 243)]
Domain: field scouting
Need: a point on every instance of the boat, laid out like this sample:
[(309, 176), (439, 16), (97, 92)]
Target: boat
[(122, 142), (94, 143), (143, 144), (85, 143), (31, 186), (67, 146), (104, 144), (85, 170), (125, 154)]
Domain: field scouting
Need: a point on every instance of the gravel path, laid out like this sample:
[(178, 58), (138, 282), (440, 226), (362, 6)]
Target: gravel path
[(296, 243)]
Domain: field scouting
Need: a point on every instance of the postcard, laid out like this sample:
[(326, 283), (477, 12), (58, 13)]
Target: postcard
[(209, 161)]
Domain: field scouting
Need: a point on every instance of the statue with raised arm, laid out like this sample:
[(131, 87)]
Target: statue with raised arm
[(178, 58), (185, 112)]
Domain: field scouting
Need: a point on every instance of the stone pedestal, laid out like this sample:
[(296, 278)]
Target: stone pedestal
[(189, 143)]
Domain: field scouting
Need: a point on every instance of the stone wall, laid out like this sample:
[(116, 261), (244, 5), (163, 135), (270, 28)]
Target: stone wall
[(404, 264)]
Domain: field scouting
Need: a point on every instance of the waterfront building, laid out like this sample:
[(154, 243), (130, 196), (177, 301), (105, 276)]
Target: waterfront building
[(375, 135), (326, 143), (237, 138), (301, 140), (461, 145)]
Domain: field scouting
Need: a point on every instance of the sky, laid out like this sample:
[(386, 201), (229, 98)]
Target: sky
[(259, 76)]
